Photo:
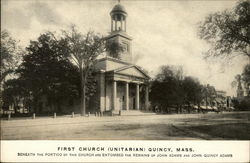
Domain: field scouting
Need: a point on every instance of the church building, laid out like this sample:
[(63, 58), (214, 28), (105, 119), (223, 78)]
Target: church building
[(122, 85)]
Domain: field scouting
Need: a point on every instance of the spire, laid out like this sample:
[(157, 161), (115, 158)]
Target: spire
[(118, 18), (118, 33)]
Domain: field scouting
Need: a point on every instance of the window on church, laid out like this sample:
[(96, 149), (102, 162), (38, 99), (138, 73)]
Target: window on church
[(126, 47)]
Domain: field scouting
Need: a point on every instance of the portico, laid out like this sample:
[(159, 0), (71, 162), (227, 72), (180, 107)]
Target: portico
[(126, 102), (129, 88)]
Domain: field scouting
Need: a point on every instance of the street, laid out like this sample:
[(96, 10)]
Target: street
[(210, 126)]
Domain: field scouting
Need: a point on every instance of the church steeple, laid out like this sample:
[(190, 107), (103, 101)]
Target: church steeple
[(118, 18), (118, 36), (240, 91)]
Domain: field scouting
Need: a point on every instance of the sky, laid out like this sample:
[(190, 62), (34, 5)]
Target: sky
[(163, 32)]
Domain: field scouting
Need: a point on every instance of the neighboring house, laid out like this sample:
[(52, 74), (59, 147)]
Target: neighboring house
[(219, 103), (221, 100)]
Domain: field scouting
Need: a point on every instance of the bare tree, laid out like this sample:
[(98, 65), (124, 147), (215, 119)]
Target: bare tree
[(228, 31), (83, 51)]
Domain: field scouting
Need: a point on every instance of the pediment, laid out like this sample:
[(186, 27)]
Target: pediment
[(132, 71)]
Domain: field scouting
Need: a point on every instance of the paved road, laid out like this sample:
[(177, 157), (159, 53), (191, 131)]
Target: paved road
[(229, 126)]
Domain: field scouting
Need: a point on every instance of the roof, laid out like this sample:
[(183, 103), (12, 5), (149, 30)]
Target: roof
[(118, 8), (113, 59), (220, 100), (130, 67), (120, 33)]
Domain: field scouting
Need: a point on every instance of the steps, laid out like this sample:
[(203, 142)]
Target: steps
[(135, 113)]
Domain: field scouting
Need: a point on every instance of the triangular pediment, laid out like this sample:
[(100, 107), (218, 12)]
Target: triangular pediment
[(132, 71)]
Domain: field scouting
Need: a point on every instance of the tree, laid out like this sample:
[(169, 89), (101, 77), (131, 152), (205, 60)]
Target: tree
[(192, 90), (166, 89), (246, 78), (209, 94), (83, 51), (246, 74), (238, 82), (15, 92), (242, 104), (10, 55), (228, 31), (46, 71), (114, 49), (10, 58), (243, 80), (171, 88)]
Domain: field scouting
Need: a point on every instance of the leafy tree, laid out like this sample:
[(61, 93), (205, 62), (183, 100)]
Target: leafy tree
[(10, 58), (166, 89), (228, 31), (114, 49), (171, 89), (246, 78), (14, 92), (209, 94), (10, 55), (246, 74), (242, 81), (192, 90), (46, 71), (167, 72), (238, 82), (242, 104), (83, 51)]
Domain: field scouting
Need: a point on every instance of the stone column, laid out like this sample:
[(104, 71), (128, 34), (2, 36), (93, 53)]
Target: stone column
[(125, 23), (122, 23), (137, 97), (112, 24), (115, 22), (127, 96), (114, 95), (102, 85), (146, 97)]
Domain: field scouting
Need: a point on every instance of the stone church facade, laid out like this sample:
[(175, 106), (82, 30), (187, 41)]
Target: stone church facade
[(121, 85)]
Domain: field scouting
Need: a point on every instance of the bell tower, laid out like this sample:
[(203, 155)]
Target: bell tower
[(118, 37)]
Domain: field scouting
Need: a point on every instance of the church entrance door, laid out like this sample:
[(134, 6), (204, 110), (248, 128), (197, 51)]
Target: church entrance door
[(134, 103), (119, 103)]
